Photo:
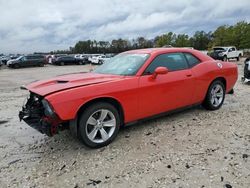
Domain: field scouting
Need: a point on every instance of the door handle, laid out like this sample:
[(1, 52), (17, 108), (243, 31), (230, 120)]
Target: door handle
[(189, 75)]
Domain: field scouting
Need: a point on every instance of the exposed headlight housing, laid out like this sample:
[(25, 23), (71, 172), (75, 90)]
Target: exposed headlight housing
[(48, 110), (220, 54)]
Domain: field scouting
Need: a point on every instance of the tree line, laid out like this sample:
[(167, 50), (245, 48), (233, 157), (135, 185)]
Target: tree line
[(227, 35)]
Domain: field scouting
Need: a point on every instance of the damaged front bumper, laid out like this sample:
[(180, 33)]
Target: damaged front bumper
[(35, 113)]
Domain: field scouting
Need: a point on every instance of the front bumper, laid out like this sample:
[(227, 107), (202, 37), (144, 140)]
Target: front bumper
[(33, 114)]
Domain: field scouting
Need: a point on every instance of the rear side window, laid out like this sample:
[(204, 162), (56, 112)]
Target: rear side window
[(192, 60), (172, 61)]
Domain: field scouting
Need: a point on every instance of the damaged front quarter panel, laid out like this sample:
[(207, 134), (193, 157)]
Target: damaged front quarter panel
[(38, 114)]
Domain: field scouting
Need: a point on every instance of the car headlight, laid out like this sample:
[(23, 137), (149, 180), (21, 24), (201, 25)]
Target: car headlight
[(220, 54), (48, 110)]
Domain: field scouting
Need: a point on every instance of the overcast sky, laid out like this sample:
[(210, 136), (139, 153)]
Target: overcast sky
[(44, 25)]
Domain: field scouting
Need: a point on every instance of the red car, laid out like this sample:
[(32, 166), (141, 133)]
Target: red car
[(131, 86)]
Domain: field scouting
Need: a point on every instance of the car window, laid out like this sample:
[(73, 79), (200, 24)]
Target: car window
[(172, 61), (233, 49), (24, 59), (29, 57), (192, 60)]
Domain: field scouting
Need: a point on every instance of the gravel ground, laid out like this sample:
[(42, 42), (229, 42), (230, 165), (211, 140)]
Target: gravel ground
[(193, 148)]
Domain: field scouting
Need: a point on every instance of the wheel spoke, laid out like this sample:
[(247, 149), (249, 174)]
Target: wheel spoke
[(216, 89), (219, 95), (110, 123), (93, 133), (103, 115), (212, 100), (213, 91), (104, 134), (216, 101), (92, 121)]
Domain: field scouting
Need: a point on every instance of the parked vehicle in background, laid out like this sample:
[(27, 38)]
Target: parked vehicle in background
[(131, 86), (226, 53), (98, 59), (82, 57), (66, 60), (92, 57), (4, 59), (246, 75), (55, 56), (101, 59), (27, 61)]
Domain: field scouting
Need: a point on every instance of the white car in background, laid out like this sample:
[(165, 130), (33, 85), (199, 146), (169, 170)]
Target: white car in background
[(225, 53), (94, 59), (100, 59)]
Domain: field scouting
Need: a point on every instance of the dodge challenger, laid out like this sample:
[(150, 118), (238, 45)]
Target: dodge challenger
[(129, 87)]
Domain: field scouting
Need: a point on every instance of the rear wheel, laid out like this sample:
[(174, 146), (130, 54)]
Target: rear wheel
[(99, 125), (215, 96)]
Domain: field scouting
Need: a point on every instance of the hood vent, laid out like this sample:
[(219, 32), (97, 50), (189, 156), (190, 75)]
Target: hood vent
[(62, 81)]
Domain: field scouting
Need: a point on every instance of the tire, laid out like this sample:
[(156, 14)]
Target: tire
[(16, 66), (61, 63), (225, 58), (92, 129), (214, 100)]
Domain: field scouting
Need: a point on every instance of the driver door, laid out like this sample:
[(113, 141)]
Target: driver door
[(168, 91)]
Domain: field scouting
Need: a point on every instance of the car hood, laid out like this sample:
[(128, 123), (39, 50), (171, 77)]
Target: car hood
[(64, 82), (11, 61)]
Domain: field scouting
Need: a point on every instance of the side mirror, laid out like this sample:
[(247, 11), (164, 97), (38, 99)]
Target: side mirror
[(159, 70)]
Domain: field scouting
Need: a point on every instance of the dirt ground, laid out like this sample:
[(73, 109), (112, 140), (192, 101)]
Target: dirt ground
[(193, 148)]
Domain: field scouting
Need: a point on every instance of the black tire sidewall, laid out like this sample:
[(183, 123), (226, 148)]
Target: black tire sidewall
[(84, 117), (207, 102)]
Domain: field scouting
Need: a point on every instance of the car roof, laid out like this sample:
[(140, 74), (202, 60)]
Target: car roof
[(224, 47), (157, 51)]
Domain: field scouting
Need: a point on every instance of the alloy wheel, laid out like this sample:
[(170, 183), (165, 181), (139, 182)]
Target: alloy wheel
[(100, 126), (217, 94)]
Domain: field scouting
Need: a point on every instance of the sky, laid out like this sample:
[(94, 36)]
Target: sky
[(27, 26)]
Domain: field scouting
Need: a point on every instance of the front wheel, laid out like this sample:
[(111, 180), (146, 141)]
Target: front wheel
[(16, 66), (215, 96), (99, 125)]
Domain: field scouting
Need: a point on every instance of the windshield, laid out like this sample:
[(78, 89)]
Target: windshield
[(123, 64), (19, 58)]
